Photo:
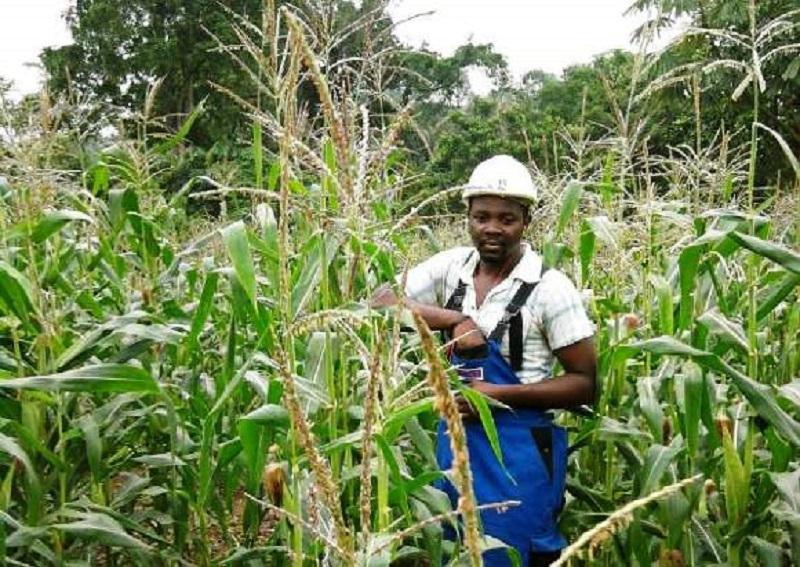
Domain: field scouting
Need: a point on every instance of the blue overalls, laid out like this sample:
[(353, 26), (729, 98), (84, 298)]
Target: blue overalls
[(534, 452)]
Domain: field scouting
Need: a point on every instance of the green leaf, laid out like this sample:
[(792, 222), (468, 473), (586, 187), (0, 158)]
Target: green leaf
[(791, 392), (586, 249), (478, 401), (99, 528), (666, 308), (693, 399), (778, 254), (95, 379), (120, 203), (393, 457), (787, 150), (421, 440), (16, 293), (9, 446), (603, 229), (610, 429), (736, 483), (761, 396), (724, 328), (688, 264), (595, 499), (777, 294), (656, 461), (651, 408), (96, 335), (204, 465), (159, 460), (769, 554), (94, 445), (176, 139), (269, 414), (160, 334), (235, 238), (569, 204), (305, 283), (394, 422), (788, 485), (48, 225)]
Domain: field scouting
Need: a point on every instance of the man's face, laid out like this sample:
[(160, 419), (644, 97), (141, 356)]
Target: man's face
[(496, 226)]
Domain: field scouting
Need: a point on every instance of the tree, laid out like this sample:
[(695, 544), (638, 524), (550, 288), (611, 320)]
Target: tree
[(120, 48), (713, 21)]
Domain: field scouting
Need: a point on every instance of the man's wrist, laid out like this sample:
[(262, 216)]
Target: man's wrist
[(461, 317)]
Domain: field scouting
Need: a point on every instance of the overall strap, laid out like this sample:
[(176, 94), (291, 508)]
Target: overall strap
[(456, 300), (512, 321)]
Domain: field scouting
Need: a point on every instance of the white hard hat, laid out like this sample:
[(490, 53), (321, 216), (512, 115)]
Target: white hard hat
[(501, 176)]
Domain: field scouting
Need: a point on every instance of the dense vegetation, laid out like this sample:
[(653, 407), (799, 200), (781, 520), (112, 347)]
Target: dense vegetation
[(189, 372)]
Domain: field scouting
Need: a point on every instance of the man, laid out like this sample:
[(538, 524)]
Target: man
[(510, 318)]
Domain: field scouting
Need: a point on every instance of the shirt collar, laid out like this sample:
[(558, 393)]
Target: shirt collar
[(528, 269)]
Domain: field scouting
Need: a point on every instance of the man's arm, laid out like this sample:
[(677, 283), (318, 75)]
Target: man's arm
[(437, 318), (573, 388)]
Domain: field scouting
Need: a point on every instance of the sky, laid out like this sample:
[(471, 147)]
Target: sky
[(532, 34)]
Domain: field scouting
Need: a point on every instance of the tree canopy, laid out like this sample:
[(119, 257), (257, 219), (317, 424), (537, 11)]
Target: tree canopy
[(120, 49)]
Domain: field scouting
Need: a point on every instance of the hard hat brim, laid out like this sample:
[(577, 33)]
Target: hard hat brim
[(470, 192)]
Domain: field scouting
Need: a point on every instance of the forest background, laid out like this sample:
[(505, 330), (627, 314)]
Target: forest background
[(119, 51)]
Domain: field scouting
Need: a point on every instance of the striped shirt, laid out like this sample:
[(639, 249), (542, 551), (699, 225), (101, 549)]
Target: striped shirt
[(552, 318)]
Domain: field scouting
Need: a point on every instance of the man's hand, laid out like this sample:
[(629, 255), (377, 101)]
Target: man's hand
[(384, 297), (467, 335), (573, 388), (465, 408)]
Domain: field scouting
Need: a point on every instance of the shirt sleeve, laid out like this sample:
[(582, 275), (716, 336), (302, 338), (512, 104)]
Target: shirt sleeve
[(563, 315), (425, 282)]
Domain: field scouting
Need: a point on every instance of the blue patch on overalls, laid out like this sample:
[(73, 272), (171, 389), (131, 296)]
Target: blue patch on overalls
[(534, 453)]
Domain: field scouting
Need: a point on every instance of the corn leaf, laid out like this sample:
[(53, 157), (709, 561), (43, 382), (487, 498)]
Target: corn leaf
[(736, 488), (570, 200), (586, 248), (769, 554), (94, 445), (724, 328), (778, 254), (777, 294), (48, 225), (235, 238), (10, 446), (478, 401), (269, 414), (693, 398), (203, 307), (96, 379), (176, 139), (306, 281), (397, 419), (94, 337), (16, 293), (656, 461), (761, 396), (787, 150), (258, 155), (99, 528), (665, 307)]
